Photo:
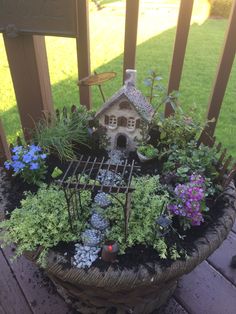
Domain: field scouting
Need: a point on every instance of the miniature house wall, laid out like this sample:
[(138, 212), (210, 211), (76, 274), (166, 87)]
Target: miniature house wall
[(124, 114)]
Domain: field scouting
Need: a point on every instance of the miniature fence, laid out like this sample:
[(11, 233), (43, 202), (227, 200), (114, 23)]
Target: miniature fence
[(26, 52)]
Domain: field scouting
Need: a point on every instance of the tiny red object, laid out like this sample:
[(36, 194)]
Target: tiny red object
[(109, 251), (110, 248)]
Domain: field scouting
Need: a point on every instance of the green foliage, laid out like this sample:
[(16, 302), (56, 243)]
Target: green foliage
[(63, 133), (200, 159), (42, 221), (220, 7), (182, 162), (148, 151), (146, 206), (178, 129)]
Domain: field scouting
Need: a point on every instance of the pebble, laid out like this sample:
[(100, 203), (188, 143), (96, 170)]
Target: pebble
[(85, 255), (97, 221), (116, 156), (108, 177), (102, 200), (91, 237)]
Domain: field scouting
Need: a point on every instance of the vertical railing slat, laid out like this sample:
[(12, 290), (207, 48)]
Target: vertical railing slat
[(131, 30), (83, 50), (182, 31), (4, 148), (29, 71), (223, 73)]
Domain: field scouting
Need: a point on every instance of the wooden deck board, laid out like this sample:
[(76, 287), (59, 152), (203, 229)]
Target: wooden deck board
[(12, 300), (206, 291), (234, 227), (39, 291), (221, 258), (172, 307)]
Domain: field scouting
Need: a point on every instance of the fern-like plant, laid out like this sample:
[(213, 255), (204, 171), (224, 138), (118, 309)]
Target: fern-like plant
[(62, 133)]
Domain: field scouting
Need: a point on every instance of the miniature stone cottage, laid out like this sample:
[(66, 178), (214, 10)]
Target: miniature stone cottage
[(124, 114)]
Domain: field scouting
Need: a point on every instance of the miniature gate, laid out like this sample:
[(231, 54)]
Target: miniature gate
[(25, 23)]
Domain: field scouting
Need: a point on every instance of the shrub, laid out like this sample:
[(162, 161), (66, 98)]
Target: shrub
[(220, 8), (61, 134), (178, 129), (184, 161), (28, 162), (42, 221)]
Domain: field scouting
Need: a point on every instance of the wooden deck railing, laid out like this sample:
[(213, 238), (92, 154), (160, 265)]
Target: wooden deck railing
[(27, 57)]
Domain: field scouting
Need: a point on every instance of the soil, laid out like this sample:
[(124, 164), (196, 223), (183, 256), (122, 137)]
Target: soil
[(14, 191)]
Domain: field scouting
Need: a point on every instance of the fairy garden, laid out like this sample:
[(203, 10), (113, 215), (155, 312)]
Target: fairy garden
[(118, 188)]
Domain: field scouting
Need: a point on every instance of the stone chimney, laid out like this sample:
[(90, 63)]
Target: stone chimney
[(130, 77)]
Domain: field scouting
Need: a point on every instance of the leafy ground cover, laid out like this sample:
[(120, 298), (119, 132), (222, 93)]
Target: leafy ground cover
[(155, 46)]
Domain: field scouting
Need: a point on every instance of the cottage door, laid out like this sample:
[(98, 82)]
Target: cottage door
[(121, 142)]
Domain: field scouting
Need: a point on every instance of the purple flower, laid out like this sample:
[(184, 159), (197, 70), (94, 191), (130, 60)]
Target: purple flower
[(188, 200)]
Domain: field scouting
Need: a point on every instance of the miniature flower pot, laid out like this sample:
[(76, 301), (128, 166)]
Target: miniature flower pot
[(109, 251), (143, 158)]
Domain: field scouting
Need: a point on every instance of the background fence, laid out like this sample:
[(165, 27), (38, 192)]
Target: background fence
[(26, 52)]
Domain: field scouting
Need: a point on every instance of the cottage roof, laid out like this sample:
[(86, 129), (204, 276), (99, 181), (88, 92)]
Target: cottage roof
[(135, 97)]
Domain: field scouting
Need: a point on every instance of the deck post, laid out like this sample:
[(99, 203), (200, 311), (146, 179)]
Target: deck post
[(4, 149), (30, 75), (181, 38), (131, 29), (83, 50), (222, 76)]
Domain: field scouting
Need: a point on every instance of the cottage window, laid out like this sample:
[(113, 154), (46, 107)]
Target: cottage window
[(131, 123), (112, 122)]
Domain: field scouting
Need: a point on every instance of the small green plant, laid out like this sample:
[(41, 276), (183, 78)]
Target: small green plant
[(184, 161), (61, 134), (28, 162), (148, 151), (146, 206), (42, 221), (178, 129)]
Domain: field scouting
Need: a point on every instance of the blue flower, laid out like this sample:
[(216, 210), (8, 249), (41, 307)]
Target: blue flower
[(17, 149), (27, 158), (15, 157), (35, 149), (43, 156), (18, 166), (7, 165), (34, 166)]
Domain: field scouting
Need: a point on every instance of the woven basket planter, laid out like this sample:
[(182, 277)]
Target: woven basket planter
[(129, 291)]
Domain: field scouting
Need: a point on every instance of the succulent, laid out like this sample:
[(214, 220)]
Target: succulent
[(91, 237), (98, 221)]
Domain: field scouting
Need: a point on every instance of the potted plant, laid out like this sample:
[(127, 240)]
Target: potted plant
[(164, 217), (147, 152)]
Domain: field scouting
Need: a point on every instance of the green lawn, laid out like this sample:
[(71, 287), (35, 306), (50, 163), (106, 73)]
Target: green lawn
[(155, 46)]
